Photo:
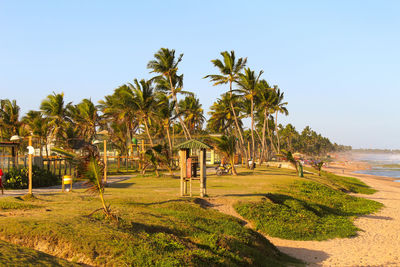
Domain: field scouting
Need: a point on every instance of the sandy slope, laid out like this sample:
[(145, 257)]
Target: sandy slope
[(378, 244)]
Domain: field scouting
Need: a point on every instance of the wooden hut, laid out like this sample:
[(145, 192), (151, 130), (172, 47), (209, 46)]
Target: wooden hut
[(189, 162)]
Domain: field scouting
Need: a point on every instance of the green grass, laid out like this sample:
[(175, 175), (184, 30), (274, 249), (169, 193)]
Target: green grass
[(348, 184), (15, 204), (307, 211), (13, 255), (156, 228)]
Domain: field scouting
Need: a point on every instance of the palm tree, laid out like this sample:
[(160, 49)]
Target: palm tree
[(9, 118), (143, 98), (38, 125), (119, 109), (226, 145), (54, 108), (165, 113), (279, 107), (166, 65), (192, 112), (264, 100), (229, 69), (86, 118), (248, 86), (222, 118)]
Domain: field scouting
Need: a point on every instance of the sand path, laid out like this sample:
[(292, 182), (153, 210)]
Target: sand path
[(378, 244)]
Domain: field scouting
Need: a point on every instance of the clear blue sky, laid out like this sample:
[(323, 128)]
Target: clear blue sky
[(338, 62)]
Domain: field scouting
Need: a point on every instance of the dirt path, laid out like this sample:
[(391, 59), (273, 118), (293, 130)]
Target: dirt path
[(378, 242)]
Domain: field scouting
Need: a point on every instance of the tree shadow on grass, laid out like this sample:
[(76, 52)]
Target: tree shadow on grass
[(120, 185)]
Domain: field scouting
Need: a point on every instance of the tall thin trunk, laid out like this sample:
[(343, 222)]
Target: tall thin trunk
[(252, 130), (277, 133), (270, 136), (237, 125), (263, 141), (185, 130), (170, 147)]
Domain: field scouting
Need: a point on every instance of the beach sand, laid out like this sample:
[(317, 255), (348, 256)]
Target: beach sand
[(378, 242)]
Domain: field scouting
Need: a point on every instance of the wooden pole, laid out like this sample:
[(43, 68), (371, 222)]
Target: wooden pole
[(202, 167), (105, 161), (30, 167), (182, 161)]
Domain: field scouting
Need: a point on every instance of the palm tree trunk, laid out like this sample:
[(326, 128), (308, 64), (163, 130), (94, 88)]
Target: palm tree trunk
[(185, 130), (264, 141), (170, 147), (252, 130), (237, 125), (148, 132), (234, 172), (277, 133), (270, 137)]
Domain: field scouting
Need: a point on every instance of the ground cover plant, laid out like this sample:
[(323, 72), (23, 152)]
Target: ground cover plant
[(308, 210)]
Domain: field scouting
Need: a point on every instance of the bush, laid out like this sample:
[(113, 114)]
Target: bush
[(17, 178)]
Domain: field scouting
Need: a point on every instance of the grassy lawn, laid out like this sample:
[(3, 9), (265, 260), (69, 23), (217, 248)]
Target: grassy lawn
[(314, 208), (157, 227)]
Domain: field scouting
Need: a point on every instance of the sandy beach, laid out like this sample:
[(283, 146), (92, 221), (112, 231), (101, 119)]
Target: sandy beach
[(378, 242)]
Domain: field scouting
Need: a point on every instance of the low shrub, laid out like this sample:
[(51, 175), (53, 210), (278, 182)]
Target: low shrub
[(17, 178)]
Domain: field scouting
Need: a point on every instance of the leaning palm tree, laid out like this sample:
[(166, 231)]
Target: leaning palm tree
[(230, 70), (166, 65), (226, 145), (248, 86)]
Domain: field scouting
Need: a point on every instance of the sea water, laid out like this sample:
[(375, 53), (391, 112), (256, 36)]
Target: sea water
[(382, 164)]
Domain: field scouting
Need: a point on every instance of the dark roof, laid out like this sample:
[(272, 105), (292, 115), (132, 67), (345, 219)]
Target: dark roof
[(193, 144)]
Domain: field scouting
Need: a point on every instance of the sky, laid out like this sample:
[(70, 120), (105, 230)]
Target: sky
[(337, 61)]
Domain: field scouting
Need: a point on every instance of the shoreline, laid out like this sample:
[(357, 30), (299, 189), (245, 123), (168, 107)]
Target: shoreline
[(377, 241)]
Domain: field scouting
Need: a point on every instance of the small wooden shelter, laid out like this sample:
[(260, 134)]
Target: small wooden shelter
[(189, 163)]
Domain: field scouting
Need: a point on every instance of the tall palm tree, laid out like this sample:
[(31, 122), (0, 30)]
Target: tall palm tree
[(248, 86), (143, 98), (264, 100), (166, 65), (165, 113), (229, 69), (54, 108), (279, 107), (192, 112)]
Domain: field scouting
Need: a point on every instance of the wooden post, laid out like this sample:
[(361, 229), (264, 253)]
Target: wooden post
[(182, 161), (105, 161), (202, 172), (30, 167)]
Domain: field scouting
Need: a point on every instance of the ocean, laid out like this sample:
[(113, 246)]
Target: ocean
[(383, 164)]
